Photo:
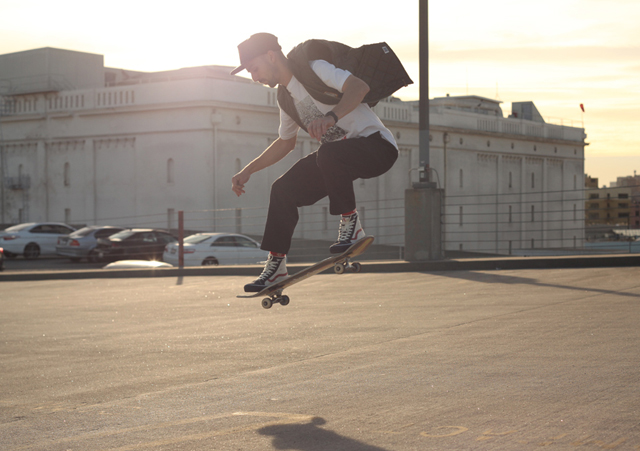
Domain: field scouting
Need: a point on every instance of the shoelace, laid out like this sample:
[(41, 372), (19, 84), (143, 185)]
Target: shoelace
[(270, 268), (346, 228)]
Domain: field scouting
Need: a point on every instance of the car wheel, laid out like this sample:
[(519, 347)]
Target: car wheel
[(210, 261), (93, 256), (31, 251)]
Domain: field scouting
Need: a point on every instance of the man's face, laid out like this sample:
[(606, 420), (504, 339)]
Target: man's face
[(263, 70)]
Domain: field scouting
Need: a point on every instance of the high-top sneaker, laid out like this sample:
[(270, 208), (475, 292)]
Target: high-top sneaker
[(274, 271), (350, 232)]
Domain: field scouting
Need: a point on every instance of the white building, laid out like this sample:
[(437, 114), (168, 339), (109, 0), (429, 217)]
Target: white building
[(85, 144)]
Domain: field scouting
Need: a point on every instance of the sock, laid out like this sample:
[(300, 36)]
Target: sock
[(350, 213), (276, 254)]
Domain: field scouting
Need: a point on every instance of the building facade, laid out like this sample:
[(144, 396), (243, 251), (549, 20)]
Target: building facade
[(85, 144)]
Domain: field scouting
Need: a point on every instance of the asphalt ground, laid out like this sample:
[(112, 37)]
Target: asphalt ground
[(450, 360)]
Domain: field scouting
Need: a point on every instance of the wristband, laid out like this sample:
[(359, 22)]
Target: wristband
[(333, 115)]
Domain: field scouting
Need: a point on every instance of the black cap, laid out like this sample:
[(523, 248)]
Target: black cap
[(256, 45)]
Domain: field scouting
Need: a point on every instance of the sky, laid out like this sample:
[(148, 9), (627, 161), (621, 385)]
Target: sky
[(557, 53)]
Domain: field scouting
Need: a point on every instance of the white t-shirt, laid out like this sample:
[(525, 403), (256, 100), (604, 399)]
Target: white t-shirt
[(361, 122)]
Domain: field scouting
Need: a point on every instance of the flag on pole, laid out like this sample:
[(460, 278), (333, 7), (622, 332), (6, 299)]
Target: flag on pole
[(582, 107)]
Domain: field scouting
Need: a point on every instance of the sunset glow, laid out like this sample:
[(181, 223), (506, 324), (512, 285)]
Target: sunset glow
[(558, 54)]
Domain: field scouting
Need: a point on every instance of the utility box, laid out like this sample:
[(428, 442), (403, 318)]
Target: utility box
[(423, 224)]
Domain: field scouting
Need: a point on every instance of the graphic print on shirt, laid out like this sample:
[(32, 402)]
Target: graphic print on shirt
[(308, 112)]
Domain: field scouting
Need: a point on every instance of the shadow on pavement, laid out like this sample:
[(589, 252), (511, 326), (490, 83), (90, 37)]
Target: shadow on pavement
[(310, 437), (513, 280)]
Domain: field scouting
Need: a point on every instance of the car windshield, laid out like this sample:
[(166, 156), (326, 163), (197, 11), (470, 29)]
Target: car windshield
[(17, 228), (197, 239), (82, 232), (122, 235)]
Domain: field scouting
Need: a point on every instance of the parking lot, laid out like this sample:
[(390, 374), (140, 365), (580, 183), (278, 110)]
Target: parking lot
[(506, 359)]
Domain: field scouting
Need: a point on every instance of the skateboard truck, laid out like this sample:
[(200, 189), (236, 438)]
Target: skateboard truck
[(275, 298), (347, 266)]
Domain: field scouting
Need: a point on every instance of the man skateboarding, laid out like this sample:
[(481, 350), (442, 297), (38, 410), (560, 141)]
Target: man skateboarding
[(353, 144)]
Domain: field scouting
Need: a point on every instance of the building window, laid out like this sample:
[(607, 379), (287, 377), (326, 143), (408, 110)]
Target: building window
[(171, 218), (510, 217), (67, 175), (510, 180), (575, 181), (533, 180), (575, 212), (67, 215), (170, 171), (460, 216), (533, 213), (461, 178), (238, 220)]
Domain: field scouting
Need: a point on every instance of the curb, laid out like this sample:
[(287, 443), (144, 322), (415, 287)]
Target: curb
[(601, 261)]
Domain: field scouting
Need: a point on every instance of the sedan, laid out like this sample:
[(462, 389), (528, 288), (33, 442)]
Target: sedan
[(33, 239), (204, 249), (134, 244), (82, 243)]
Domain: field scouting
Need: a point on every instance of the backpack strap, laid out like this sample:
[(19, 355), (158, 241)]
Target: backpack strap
[(286, 103)]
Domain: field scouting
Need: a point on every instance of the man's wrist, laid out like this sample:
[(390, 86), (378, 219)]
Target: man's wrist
[(333, 115)]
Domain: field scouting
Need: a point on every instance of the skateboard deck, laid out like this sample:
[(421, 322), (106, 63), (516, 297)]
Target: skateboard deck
[(341, 263)]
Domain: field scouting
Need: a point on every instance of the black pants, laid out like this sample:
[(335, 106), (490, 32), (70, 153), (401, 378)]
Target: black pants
[(329, 171)]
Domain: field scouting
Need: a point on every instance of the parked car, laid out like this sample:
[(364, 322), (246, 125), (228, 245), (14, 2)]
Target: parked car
[(204, 249), (130, 244), (82, 243), (33, 239)]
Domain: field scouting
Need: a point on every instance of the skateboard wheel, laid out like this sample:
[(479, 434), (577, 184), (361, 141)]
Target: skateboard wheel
[(284, 300), (356, 267), (267, 303), (339, 269)]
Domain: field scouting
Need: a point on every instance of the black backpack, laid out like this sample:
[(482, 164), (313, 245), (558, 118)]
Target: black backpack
[(376, 64)]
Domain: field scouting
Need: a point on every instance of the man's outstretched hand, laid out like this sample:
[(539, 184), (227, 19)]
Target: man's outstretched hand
[(238, 181)]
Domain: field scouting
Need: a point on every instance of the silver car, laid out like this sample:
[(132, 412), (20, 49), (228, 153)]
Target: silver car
[(82, 243)]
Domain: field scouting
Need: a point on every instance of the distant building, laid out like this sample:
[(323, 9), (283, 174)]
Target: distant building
[(608, 206), (83, 143)]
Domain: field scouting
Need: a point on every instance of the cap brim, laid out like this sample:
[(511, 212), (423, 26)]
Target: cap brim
[(237, 69)]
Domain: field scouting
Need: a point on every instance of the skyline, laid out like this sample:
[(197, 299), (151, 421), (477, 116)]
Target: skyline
[(558, 54)]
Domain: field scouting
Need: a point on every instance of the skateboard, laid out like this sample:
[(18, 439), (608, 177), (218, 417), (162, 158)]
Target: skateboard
[(341, 264)]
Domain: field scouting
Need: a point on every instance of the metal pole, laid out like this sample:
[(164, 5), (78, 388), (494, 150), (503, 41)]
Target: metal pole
[(424, 92), (181, 239)]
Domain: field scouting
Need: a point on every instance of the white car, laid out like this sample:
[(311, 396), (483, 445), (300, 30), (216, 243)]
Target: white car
[(204, 249), (33, 239)]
